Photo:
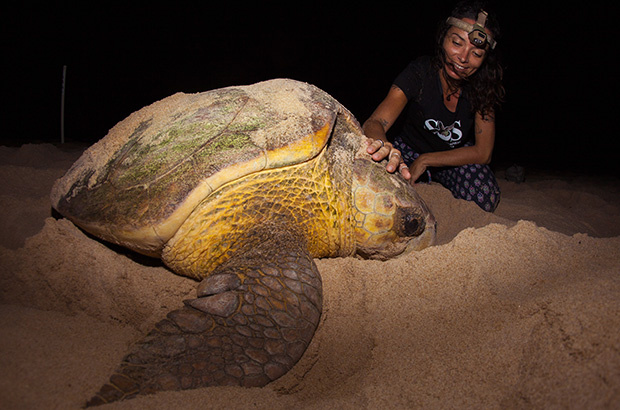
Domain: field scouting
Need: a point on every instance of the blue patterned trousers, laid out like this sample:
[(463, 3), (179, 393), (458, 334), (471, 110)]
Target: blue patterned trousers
[(472, 182)]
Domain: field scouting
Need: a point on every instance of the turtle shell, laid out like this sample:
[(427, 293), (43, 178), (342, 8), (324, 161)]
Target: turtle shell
[(137, 185)]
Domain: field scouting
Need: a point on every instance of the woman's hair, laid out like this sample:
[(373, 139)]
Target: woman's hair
[(485, 85)]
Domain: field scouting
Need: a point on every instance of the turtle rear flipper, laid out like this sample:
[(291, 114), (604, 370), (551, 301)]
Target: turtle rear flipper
[(253, 320)]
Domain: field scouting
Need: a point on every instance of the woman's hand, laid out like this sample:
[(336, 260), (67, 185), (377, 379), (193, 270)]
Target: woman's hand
[(377, 126), (378, 149), (417, 168)]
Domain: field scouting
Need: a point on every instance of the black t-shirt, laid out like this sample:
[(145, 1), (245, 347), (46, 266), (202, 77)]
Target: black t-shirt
[(428, 125)]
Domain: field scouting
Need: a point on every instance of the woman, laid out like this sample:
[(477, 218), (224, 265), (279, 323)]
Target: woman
[(449, 103)]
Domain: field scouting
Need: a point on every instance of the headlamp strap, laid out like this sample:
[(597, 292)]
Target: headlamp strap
[(478, 26), (482, 20)]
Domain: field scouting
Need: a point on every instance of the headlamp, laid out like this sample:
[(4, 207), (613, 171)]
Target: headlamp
[(477, 36)]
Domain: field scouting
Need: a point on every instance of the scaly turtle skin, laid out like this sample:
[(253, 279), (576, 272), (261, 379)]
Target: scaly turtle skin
[(239, 188)]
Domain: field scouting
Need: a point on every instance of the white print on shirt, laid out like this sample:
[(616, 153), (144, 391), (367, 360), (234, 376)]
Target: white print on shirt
[(451, 134)]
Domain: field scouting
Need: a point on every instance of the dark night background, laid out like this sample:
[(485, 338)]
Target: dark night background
[(559, 113)]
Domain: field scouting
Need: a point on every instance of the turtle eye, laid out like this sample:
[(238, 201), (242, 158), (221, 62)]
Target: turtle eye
[(411, 223)]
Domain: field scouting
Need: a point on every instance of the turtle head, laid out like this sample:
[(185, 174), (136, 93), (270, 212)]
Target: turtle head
[(390, 217)]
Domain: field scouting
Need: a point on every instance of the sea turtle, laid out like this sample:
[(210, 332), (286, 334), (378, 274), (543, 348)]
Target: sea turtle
[(240, 188)]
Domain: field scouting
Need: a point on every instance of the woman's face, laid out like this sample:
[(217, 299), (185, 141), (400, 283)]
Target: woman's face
[(462, 58)]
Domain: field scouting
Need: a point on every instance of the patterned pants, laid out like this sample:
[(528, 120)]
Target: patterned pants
[(472, 182)]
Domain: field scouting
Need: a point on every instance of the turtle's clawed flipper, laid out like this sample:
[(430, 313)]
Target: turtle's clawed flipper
[(252, 321)]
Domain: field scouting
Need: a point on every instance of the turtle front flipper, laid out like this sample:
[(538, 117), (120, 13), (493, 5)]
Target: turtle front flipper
[(253, 319)]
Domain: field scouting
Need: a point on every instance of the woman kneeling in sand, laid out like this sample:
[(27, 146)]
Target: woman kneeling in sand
[(450, 100)]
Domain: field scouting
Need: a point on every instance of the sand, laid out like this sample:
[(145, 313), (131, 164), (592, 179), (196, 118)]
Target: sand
[(517, 309)]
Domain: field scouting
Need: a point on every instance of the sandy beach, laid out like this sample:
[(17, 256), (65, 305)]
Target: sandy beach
[(516, 309)]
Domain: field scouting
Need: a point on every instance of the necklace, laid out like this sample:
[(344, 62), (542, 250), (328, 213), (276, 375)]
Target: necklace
[(452, 86), (456, 93)]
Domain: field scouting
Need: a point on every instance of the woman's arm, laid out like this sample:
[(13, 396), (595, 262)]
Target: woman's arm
[(379, 123), (479, 153)]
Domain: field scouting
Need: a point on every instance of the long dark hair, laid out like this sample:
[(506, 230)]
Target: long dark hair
[(486, 91)]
